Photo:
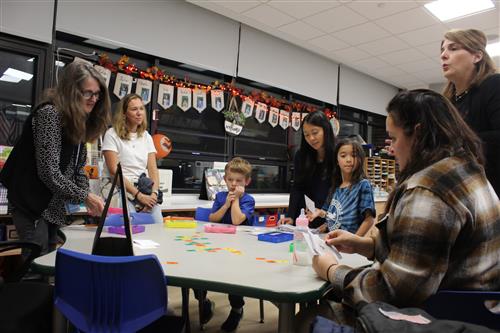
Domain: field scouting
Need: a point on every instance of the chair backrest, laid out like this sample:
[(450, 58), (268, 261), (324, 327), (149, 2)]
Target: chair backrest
[(109, 294), (465, 306), (30, 251), (201, 214)]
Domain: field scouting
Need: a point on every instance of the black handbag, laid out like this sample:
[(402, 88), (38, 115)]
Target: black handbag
[(114, 246)]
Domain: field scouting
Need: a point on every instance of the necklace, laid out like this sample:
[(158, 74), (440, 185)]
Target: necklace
[(459, 96)]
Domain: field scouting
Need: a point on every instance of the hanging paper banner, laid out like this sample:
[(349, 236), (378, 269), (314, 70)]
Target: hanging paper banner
[(165, 95), (304, 114), (232, 124), (260, 112), (217, 100), (184, 98), (199, 99), (247, 107), (284, 121), (143, 89), (296, 118), (105, 73), (123, 85), (335, 125), (273, 116)]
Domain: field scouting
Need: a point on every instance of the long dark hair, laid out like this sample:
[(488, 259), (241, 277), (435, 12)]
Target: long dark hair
[(309, 156), (78, 125), (358, 173), (442, 132)]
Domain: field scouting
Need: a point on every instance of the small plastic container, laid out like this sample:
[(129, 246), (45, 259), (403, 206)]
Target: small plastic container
[(183, 224), (220, 229), (275, 237), (121, 230), (301, 254)]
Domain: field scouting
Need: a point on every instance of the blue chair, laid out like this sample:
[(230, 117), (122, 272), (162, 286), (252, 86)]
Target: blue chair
[(201, 214), (112, 294), (465, 306)]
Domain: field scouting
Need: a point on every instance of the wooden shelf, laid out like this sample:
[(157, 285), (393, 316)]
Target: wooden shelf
[(381, 172)]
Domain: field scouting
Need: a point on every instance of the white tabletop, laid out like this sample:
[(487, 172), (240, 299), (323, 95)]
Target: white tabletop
[(189, 202), (223, 270)]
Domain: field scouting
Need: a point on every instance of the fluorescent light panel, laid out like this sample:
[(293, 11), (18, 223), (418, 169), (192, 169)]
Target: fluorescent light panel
[(446, 10), (493, 49), (18, 74), (8, 78)]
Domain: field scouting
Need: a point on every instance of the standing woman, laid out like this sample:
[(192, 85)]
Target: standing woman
[(45, 168), (314, 164), (474, 88), (129, 143)]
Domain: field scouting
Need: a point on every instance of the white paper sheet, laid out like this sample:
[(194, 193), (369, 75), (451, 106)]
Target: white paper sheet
[(310, 204)]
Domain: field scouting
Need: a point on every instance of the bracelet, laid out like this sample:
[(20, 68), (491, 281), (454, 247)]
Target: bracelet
[(155, 192), (136, 194), (328, 272)]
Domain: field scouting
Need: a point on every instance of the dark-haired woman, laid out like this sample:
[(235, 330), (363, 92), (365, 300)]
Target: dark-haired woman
[(443, 219), (314, 164), (45, 168), (474, 88)]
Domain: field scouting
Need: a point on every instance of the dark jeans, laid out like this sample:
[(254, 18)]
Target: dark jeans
[(40, 231), (235, 301)]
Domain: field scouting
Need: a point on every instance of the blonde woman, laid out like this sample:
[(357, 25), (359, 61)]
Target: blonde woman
[(129, 143), (473, 87)]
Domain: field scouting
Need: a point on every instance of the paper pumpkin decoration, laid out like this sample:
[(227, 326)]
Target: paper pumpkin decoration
[(163, 145)]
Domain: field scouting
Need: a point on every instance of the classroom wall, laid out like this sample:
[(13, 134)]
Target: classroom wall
[(187, 33), (28, 19), (267, 59), (168, 29), (364, 92)]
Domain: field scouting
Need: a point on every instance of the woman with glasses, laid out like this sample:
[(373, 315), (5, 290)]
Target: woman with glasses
[(129, 143), (44, 173)]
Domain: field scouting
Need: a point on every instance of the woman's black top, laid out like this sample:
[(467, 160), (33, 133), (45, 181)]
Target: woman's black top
[(480, 108)]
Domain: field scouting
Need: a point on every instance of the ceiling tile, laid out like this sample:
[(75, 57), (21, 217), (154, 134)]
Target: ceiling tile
[(269, 16), (361, 33), (407, 21), (402, 57), (384, 45), (237, 6), (370, 63), (300, 9), (301, 30), (431, 49), (420, 65), (426, 35), (388, 71), (335, 19), (349, 55), (378, 9), (329, 43), (482, 21)]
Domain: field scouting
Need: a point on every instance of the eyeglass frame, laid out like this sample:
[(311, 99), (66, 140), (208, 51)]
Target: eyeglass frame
[(88, 94)]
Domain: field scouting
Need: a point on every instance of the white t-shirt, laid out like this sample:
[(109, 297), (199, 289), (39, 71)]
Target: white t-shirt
[(132, 154)]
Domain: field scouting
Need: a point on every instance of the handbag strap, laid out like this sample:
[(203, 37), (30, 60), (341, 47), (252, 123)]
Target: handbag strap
[(126, 218)]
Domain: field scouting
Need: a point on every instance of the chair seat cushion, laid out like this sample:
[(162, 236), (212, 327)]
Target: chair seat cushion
[(26, 307)]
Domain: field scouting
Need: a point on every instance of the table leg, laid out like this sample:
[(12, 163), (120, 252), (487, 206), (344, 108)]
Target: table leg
[(286, 317)]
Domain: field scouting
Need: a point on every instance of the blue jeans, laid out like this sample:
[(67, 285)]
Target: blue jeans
[(39, 231)]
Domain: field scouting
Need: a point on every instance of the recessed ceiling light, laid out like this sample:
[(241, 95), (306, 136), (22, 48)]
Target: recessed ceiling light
[(493, 49), (8, 78), (446, 10), (18, 74)]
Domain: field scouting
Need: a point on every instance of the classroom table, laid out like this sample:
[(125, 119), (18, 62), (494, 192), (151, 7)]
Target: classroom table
[(230, 263)]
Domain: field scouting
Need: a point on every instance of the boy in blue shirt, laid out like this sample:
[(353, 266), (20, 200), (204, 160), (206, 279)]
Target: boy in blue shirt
[(232, 207)]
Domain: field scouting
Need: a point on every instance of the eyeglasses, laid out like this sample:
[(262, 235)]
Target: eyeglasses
[(88, 94)]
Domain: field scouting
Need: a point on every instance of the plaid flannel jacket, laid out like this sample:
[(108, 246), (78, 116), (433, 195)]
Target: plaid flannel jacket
[(442, 232)]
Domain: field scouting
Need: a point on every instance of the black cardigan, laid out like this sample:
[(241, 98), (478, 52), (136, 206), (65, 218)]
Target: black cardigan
[(26, 192), (481, 111), (316, 187)]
